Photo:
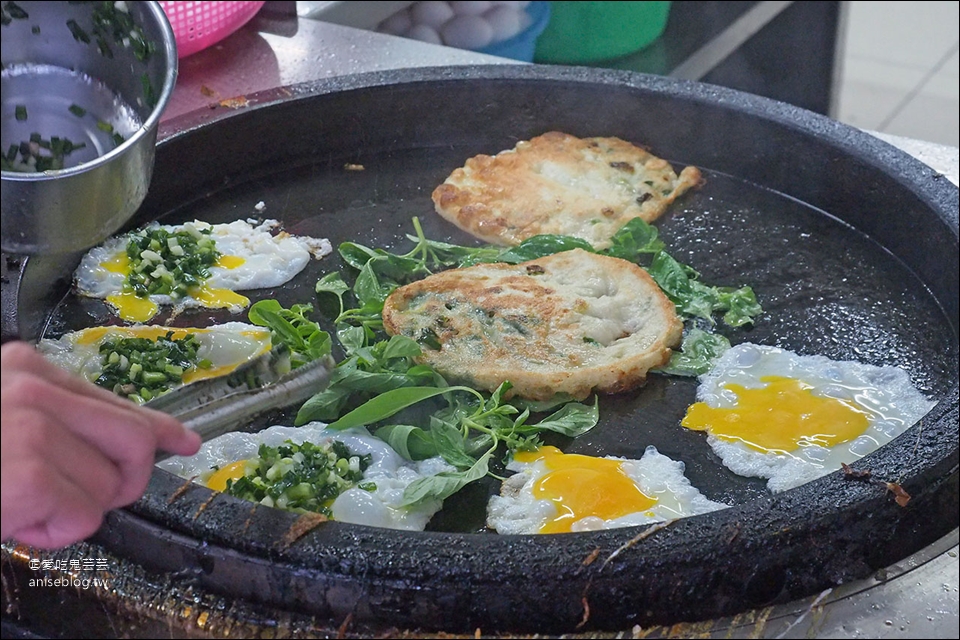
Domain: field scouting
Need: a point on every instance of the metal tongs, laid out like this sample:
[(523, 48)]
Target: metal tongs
[(215, 406)]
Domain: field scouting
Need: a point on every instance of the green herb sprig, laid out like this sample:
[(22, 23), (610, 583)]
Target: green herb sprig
[(466, 433), (292, 327)]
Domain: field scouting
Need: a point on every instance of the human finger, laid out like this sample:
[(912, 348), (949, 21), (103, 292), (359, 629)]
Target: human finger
[(22, 358), (42, 505), (126, 436), (75, 459), (170, 434)]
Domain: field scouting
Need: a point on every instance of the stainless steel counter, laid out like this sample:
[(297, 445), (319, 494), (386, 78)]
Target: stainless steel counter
[(916, 598)]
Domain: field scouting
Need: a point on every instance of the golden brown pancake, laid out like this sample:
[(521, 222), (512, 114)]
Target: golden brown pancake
[(569, 323), (559, 184)]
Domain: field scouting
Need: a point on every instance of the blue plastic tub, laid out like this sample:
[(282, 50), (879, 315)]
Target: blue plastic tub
[(522, 45)]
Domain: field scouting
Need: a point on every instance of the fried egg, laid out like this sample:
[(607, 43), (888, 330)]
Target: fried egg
[(222, 348), (770, 413), (252, 256), (388, 471), (556, 492)]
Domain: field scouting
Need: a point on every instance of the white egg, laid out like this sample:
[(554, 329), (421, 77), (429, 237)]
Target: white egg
[(505, 22), (770, 413), (553, 492), (431, 13), (467, 32), (470, 7), (423, 33), (222, 347), (388, 471), (252, 257), (397, 24)]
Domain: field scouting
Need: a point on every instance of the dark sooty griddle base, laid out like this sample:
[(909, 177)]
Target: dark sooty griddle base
[(872, 280)]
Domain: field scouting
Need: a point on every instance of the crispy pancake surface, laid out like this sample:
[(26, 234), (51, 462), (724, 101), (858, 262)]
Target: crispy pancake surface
[(560, 184), (569, 323)]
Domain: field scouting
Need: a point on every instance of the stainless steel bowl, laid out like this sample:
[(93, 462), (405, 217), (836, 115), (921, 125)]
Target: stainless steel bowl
[(84, 85)]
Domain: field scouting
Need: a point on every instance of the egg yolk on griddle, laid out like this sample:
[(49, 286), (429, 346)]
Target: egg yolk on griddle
[(233, 471), (134, 308), (129, 306), (581, 486), (782, 417)]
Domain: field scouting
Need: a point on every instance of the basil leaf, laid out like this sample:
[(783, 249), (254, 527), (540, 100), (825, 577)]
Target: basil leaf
[(444, 484), (634, 239), (282, 327), (291, 327), (743, 306), (263, 305), (695, 299), (496, 398), (319, 342), (324, 406), (367, 288), (386, 404), (356, 255), (332, 283), (697, 354), (427, 373), (541, 406), (413, 443), (401, 347), (351, 338), (573, 419), (450, 444), (374, 382), (543, 245)]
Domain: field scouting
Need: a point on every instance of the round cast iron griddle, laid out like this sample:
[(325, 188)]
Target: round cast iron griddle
[(850, 245)]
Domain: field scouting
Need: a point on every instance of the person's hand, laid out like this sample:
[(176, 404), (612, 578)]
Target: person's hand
[(71, 451)]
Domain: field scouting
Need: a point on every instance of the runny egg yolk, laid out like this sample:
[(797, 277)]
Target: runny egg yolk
[(129, 306), (782, 416), (218, 298), (581, 486), (133, 308), (229, 262), (233, 471)]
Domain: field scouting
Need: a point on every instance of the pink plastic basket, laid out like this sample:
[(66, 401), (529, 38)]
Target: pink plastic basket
[(197, 25)]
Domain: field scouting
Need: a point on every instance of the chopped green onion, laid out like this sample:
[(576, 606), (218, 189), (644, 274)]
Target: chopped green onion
[(302, 477), (142, 369), (169, 263)]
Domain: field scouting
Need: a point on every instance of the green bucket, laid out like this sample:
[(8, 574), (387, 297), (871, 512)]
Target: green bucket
[(581, 32)]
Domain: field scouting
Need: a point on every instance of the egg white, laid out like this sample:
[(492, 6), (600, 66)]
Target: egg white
[(266, 260), (388, 470), (517, 511), (226, 346), (886, 394)]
